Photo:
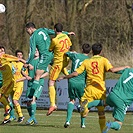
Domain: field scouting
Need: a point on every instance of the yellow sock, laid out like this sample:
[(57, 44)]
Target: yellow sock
[(5, 103), (18, 110), (52, 94), (102, 122)]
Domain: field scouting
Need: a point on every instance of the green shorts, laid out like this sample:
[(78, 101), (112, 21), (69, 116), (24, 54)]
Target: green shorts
[(36, 93), (75, 89), (120, 108), (44, 62)]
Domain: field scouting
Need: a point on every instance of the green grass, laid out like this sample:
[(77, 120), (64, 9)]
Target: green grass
[(55, 122)]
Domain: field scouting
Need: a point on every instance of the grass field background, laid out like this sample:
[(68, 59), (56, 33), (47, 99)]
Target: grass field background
[(54, 123)]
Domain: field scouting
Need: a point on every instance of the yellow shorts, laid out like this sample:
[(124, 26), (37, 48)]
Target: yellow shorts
[(56, 69), (91, 93), (7, 87), (17, 91)]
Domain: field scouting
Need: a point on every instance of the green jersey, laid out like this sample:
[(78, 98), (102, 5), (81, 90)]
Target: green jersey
[(124, 87), (77, 59), (40, 39)]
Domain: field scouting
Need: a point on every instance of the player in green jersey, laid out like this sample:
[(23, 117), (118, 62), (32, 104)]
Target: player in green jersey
[(121, 97), (76, 85), (32, 96)]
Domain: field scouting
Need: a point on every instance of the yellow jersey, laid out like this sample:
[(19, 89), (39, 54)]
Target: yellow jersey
[(18, 66), (95, 67), (6, 67), (60, 45)]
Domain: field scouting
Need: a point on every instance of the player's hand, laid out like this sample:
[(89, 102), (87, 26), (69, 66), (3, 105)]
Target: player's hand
[(28, 78), (25, 65), (31, 67), (60, 78), (71, 33)]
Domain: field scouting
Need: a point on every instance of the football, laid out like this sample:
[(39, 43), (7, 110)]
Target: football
[(2, 8)]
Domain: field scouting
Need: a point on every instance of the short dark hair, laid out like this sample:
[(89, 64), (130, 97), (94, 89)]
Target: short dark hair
[(86, 48), (3, 48), (30, 25), (58, 27), (96, 48), (18, 51)]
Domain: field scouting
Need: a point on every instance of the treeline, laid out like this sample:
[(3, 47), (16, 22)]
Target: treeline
[(109, 22)]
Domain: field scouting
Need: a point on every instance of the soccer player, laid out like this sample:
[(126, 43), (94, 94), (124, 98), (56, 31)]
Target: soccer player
[(2, 48), (39, 39), (121, 97), (32, 96), (7, 69), (95, 89), (59, 45), (18, 89), (76, 85)]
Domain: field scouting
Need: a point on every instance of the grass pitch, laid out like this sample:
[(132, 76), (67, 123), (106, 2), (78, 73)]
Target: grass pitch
[(54, 123)]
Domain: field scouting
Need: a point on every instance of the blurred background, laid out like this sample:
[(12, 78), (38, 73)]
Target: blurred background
[(109, 22)]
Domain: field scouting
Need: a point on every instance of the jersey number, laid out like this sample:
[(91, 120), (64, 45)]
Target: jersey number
[(95, 67), (42, 33), (65, 45), (76, 63), (127, 79)]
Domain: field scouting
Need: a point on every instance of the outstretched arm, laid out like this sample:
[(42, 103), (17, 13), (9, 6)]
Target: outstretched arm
[(116, 69), (74, 74)]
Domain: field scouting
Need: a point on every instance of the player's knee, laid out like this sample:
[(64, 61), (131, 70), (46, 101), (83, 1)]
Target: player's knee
[(15, 102), (101, 114)]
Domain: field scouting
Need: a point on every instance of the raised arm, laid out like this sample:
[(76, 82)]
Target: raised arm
[(116, 69)]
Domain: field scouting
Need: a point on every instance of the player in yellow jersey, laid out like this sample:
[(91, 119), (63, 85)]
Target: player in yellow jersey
[(95, 89), (18, 88), (59, 45), (7, 69)]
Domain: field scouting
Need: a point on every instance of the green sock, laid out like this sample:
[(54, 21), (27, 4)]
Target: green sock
[(83, 120), (115, 125), (35, 85), (33, 110), (29, 110), (12, 111), (95, 103), (70, 108)]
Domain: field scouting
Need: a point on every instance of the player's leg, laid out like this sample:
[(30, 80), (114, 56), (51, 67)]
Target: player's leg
[(102, 118), (36, 83), (70, 108), (27, 99), (53, 75), (28, 102), (41, 68), (85, 99), (79, 91), (17, 94), (5, 103), (70, 105), (12, 113), (7, 109), (119, 112), (4, 99), (31, 107)]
